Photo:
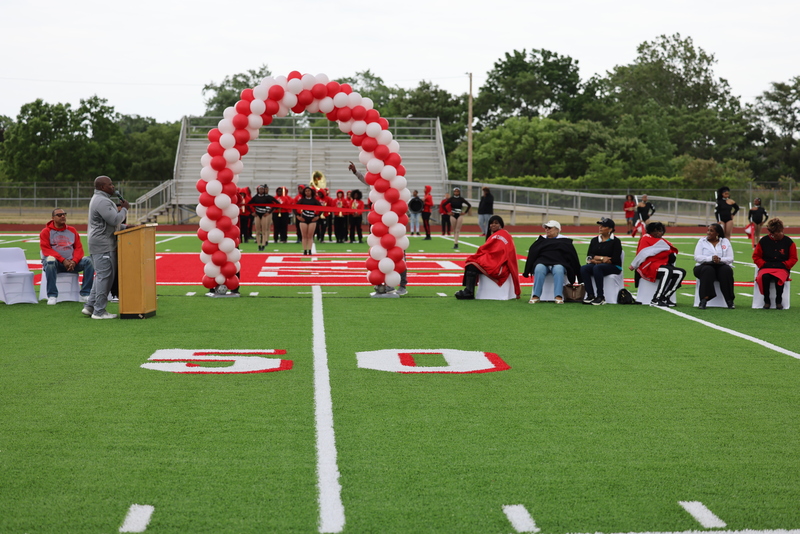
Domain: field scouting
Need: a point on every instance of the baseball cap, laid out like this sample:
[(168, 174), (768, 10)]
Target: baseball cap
[(552, 224), (608, 223)]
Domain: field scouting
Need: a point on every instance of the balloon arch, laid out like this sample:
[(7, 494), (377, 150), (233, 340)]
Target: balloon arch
[(356, 116)]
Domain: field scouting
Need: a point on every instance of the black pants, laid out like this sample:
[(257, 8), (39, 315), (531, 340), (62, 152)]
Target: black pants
[(446, 225), (340, 228), (708, 273), (426, 222), (355, 227), (280, 226), (669, 279)]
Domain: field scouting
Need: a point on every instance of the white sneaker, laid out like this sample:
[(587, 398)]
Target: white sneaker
[(105, 315), (51, 301), (87, 311)]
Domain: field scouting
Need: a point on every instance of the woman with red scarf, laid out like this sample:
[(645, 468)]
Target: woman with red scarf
[(775, 255), (496, 258)]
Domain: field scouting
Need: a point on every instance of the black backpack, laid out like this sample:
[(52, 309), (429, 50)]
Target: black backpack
[(624, 297), (415, 205)]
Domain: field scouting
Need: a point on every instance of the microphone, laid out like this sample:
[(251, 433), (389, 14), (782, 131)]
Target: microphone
[(119, 196)]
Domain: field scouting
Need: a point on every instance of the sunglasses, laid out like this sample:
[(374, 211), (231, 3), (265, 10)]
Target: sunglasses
[(60, 214)]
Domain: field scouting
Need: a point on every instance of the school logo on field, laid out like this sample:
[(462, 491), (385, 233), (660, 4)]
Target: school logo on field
[(203, 361), (406, 361)]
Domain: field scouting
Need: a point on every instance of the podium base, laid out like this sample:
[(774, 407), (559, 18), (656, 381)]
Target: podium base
[(137, 315)]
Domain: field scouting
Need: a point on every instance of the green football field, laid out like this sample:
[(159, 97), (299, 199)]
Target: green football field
[(320, 409)]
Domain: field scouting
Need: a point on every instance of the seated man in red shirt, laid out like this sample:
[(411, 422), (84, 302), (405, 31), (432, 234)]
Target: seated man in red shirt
[(62, 252), (496, 258)]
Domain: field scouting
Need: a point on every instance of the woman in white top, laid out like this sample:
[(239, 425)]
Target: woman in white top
[(713, 258)]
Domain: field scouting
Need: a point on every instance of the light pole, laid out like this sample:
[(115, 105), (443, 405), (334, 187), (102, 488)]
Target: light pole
[(469, 137)]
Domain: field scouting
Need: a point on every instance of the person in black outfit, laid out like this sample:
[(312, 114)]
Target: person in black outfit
[(757, 216), (644, 209), (485, 210), (603, 258), (262, 215), (307, 219), (726, 209), (457, 203)]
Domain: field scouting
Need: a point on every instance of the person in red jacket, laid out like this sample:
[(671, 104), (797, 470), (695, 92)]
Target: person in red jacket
[(340, 217), (356, 218), (62, 252), (245, 214), (444, 212), (496, 258), (775, 255), (655, 262), (427, 206)]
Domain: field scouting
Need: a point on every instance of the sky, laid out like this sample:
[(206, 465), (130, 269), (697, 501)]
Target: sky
[(153, 57)]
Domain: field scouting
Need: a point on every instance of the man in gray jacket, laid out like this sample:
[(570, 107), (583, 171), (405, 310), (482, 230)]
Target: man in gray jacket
[(105, 218)]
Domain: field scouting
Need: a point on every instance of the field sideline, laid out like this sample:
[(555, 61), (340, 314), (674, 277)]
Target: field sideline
[(314, 408)]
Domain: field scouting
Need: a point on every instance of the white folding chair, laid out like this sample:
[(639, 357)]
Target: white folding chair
[(758, 298), (612, 283), (716, 302), (69, 288), (489, 290), (646, 291), (16, 279)]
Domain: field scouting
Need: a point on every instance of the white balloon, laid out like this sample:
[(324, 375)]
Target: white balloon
[(232, 212), (237, 167), (205, 160), (282, 110), (359, 127), (345, 126), (280, 80), (405, 195), (397, 230), (394, 146), (216, 236), (254, 132), (289, 100), (220, 279), (377, 252), (207, 173), (375, 166), (268, 82), (373, 240), (326, 105), (382, 206), (205, 258), (398, 182), (226, 126), (353, 100), (295, 85), (255, 121), (387, 173), (222, 201), (207, 224), (200, 210), (231, 155), (374, 196), (238, 266), (390, 218), (227, 140), (386, 265), (211, 270), (309, 81), (260, 92), (367, 102), (365, 156), (384, 138), (234, 255), (322, 78), (402, 242), (227, 245), (393, 279), (214, 188), (340, 100), (257, 106), (313, 107), (374, 129), (230, 112)]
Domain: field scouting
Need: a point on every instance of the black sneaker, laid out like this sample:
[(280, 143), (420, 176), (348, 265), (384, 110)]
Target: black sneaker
[(598, 301), (588, 299), (730, 304), (465, 294)]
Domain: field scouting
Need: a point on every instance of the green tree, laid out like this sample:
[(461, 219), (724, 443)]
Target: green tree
[(103, 143), (152, 152), (227, 92), (369, 85), (778, 112)]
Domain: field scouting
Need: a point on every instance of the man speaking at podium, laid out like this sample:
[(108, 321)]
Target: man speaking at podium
[(105, 218)]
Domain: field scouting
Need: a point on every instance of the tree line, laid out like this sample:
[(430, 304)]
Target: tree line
[(663, 121)]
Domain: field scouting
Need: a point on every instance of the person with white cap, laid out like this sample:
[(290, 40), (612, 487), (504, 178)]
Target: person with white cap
[(555, 254)]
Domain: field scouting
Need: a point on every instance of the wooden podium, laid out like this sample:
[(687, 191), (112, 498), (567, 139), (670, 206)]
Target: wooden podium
[(136, 255)]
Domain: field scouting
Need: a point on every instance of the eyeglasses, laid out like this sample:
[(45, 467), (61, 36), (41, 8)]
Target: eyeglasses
[(60, 214)]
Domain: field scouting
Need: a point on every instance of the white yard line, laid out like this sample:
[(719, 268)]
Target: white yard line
[(703, 515), (138, 518), (169, 239), (519, 518), (331, 509)]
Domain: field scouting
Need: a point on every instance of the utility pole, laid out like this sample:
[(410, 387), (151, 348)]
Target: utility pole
[(469, 137)]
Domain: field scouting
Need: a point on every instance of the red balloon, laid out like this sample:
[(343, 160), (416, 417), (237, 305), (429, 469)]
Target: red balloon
[(359, 113), (382, 185), (379, 230), (357, 139), (209, 247), (242, 136), (333, 116), (225, 176), (395, 254), (400, 266), (371, 178), (201, 186), (388, 241), (305, 97), (333, 88), (219, 258), (206, 199), (209, 282), (236, 242), (403, 219), (392, 195), (345, 88), (344, 114), (401, 171), (242, 107), (224, 223), (202, 235), (233, 232), (240, 121), (372, 264), (231, 190), (267, 119), (382, 152), (232, 282), (215, 149), (372, 115), (319, 91), (218, 163), (247, 94), (393, 159), (400, 207), (213, 212), (384, 123), (242, 149), (369, 144), (275, 92), (373, 217), (376, 277), (299, 108), (272, 105), (214, 134), (294, 74), (228, 269)]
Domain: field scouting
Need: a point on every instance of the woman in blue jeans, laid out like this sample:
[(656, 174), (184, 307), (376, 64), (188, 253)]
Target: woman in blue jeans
[(603, 258), (552, 254)]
